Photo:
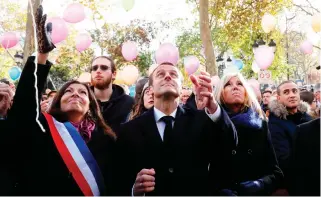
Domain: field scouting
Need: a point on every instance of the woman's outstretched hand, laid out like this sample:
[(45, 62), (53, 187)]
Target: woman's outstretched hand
[(45, 44)]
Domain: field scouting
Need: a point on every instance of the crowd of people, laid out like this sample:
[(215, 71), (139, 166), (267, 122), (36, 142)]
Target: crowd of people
[(226, 138)]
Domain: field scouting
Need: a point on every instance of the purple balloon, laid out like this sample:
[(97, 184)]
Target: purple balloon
[(59, 29), (74, 13), (129, 50), (191, 64), (264, 57), (9, 40), (167, 53)]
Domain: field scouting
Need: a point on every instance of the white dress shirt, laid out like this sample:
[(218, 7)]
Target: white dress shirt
[(160, 123)]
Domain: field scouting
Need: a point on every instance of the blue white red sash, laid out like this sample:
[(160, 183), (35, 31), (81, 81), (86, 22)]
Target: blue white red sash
[(77, 157)]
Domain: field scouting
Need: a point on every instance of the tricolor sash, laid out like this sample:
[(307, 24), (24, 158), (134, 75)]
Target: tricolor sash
[(77, 157)]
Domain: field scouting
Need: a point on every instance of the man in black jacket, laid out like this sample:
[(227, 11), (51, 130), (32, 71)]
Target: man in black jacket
[(115, 104), (305, 160), (286, 112), (167, 150)]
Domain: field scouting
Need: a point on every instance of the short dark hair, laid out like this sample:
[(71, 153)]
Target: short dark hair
[(267, 91), (112, 63), (5, 80), (150, 81), (96, 116), (284, 82), (307, 96)]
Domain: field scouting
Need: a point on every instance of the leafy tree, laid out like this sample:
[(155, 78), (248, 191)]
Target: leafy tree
[(236, 25)]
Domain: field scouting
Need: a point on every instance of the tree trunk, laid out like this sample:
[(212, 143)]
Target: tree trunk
[(29, 46), (207, 38)]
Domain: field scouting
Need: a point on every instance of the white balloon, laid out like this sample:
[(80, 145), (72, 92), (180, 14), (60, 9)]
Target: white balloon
[(255, 67), (268, 23), (130, 74)]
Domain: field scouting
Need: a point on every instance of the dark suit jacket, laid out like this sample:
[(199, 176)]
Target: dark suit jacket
[(183, 170), (305, 160)]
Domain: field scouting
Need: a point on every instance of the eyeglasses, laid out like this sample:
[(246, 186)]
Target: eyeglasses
[(102, 67)]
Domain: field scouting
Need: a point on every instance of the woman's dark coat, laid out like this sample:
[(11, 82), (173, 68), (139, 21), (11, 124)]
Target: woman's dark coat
[(252, 158), (37, 162)]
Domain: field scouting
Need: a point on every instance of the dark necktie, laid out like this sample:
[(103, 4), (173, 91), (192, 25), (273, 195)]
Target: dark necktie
[(168, 128)]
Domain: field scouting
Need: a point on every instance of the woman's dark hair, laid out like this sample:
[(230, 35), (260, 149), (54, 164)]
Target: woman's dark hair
[(307, 96), (94, 111), (139, 107), (139, 88)]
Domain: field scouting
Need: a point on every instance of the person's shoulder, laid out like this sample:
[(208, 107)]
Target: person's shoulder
[(133, 124), (310, 125), (127, 98)]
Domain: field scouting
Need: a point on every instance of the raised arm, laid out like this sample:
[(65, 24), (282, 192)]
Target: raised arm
[(27, 98)]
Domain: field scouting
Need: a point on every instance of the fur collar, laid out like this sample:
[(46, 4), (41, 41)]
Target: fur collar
[(280, 111)]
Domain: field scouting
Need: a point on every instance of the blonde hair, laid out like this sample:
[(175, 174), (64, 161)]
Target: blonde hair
[(250, 99)]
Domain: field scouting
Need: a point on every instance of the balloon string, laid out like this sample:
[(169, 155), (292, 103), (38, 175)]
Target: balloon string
[(36, 65)]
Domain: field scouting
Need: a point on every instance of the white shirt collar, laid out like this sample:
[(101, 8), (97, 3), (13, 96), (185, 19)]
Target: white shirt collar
[(158, 114)]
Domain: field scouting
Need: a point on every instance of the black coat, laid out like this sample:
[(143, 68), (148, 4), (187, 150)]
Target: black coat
[(282, 127), (191, 103), (251, 159), (184, 171), (305, 160), (116, 110), (39, 165), (7, 176)]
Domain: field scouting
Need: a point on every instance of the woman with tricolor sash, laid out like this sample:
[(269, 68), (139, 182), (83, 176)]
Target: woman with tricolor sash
[(67, 151)]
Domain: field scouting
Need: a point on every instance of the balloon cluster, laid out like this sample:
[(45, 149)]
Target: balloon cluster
[(74, 13)]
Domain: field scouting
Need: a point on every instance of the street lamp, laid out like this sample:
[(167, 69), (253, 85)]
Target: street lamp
[(272, 45), (228, 61), (221, 66), (18, 57), (261, 43)]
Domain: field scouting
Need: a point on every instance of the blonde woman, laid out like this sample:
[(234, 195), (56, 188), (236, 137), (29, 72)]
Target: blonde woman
[(249, 166)]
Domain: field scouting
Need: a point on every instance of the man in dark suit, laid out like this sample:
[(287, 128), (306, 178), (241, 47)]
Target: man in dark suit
[(167, 150), (305, 160)]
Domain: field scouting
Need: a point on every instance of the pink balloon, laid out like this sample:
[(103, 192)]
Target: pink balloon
[(191, 64), (74, 13), (83, 41), (264, 57), (59, 29), (129, 50), (9, 40), (215, 80), (167, 53), (306, 47)]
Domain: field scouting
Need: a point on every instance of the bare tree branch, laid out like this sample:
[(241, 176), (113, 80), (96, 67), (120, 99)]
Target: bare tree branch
[(315, 9), (317, 47), (308, 13)]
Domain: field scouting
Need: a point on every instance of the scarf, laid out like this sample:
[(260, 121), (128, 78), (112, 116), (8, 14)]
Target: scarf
[(247, 117), (85, 128)]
